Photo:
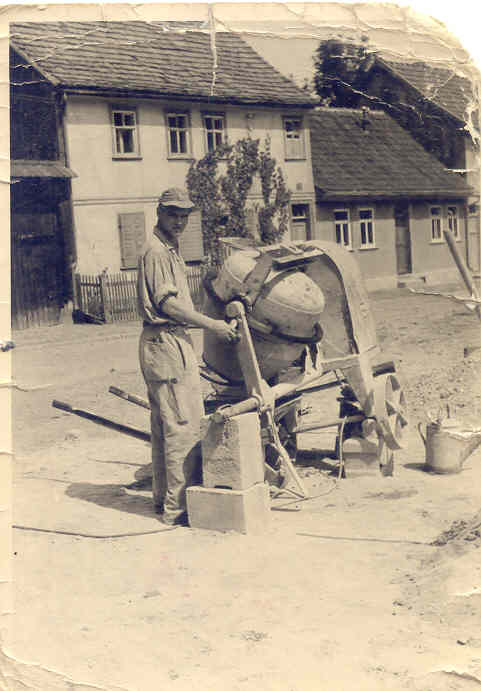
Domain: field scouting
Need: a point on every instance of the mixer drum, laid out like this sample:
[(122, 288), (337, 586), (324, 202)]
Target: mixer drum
[(290, 302)]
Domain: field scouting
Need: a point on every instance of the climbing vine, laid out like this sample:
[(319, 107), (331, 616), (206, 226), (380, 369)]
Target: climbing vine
[(222, 196), (275, 195), (204, 190)]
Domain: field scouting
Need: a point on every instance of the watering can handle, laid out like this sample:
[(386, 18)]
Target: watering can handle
[(420, 433)]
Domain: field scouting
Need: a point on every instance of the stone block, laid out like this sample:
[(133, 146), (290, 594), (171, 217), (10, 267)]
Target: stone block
[(361, 457), (242, 511), (232, 455)]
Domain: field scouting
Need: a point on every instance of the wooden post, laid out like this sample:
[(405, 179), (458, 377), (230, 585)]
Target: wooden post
[(105, 297), (77, 292), (463, 269)]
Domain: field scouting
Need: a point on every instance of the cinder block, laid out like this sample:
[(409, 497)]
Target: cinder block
[(361, 457), (243, 511), (232, 455)]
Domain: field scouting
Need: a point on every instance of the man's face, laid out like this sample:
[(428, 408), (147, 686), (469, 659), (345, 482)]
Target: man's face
[(172, 221)]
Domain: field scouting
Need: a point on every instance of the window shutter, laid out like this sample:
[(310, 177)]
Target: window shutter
[(191, 243), (132, 237), (294, 148)]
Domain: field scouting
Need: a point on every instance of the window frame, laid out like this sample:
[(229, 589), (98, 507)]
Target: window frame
[(288, 155), (434, 239), (214, 116), (349, 227), (367, 245), (306, 219), (131, 110), (178, 112), (457, 234)]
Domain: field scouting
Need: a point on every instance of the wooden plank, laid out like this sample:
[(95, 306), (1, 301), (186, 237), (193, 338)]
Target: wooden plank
[(120, 297), (128, 293), (76, 291), (132, 237), (105, 297), (133, 297), (125, 298)]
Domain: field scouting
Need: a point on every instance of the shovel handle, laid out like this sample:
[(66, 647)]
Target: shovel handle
[(66, 407)]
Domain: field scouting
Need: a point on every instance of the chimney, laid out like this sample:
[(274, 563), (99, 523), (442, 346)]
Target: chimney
[(365, 118)]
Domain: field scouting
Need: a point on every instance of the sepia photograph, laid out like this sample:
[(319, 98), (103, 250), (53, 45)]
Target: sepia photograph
[(245, 350)]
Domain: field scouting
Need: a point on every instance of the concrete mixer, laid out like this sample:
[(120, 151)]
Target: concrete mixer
[(293, 303), (288, 298)]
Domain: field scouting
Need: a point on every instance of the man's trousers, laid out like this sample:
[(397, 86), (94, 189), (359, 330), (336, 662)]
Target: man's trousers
[(171, 373)]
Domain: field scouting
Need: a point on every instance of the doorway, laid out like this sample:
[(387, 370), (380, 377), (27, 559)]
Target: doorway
[(403, 237)]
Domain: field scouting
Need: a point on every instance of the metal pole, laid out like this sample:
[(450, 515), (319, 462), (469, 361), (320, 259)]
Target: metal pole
[(252, 403)]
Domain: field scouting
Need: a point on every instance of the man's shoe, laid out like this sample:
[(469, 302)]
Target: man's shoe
[(142, 485), (181, 519), (159, 508)]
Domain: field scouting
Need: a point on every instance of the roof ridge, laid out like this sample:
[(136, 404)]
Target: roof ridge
[(452, 74), (66, 52), (380, 160), (359, 111)]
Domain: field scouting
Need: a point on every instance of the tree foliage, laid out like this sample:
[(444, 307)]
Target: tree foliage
[(341, 71), (219, 185)]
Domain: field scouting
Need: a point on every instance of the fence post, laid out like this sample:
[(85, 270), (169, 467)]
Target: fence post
[(105, 297), (77, 292)]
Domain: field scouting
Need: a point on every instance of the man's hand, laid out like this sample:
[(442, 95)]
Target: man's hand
[(224, 331), (176, 308)]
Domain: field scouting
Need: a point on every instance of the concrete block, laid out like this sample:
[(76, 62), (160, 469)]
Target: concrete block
[(243, 511), (232, 455), (361, 457)]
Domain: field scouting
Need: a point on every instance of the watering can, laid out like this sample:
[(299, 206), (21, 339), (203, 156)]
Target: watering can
[(448, 444)]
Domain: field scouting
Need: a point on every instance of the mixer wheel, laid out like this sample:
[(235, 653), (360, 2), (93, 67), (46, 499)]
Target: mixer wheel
[(390, 408)]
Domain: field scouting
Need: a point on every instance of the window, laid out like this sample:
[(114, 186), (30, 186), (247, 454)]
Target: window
[(453, 221), (342, 228), (436, 224), (294, 137), (178, 134), (366, 225), (214, 129), (300, 222), (473, 209), (124, 131)]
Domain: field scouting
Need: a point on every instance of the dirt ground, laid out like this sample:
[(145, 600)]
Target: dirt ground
[(345, 592)]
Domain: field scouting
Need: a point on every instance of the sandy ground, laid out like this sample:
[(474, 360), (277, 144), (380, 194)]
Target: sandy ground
[(343, 592)]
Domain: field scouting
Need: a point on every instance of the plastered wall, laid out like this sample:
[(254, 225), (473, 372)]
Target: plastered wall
[(433, 259), (378, 263), (106, 186)]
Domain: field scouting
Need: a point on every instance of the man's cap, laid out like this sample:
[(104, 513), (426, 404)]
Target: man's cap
[(174, 196)]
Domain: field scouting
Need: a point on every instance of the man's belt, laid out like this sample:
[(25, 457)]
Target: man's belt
[(168, 326)]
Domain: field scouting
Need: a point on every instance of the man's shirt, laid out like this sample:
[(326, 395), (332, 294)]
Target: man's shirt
[(161, 274)]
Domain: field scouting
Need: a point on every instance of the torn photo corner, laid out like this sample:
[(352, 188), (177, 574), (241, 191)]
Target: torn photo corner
[(335, 132)]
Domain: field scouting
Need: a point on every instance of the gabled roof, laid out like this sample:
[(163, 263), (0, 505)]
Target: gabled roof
[(442, 86), (150, 58), (375, 159)]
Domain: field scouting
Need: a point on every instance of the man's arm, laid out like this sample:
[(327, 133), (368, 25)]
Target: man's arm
[(178, 310)]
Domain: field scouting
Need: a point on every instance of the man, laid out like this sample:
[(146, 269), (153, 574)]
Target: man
[(167, 358)]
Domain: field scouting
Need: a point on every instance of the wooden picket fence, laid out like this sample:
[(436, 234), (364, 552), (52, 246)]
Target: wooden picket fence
[(113, 297)]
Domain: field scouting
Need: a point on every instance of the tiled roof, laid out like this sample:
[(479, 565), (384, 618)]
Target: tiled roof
[(378, 160), (442, 86), (151, 58)]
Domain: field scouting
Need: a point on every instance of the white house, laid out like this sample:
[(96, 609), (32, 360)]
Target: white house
[(136, 102)]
